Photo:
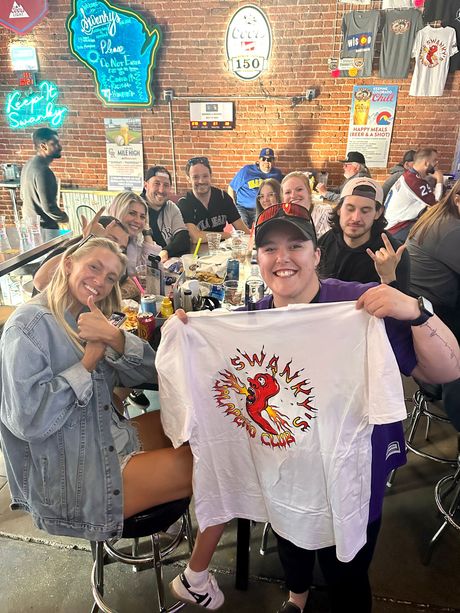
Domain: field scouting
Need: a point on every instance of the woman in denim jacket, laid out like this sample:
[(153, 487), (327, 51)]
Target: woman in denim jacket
[(71, 461)]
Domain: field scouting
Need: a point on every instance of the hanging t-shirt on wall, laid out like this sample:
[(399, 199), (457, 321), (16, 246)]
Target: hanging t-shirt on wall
[(359, 33), (280, 430), (398, 36), (432, 49), (448, 12), (397, 4)]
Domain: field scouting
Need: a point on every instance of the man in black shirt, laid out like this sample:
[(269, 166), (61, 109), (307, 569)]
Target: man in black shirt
[(206, 208), (357, 248), (165, 220)]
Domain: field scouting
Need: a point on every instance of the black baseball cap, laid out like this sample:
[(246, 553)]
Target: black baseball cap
[(354, 156), (408, 156), (157, 170)]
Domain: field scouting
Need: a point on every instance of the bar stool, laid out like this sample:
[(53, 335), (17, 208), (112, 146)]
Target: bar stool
[(421, 408), (447, 498), (147, 523)]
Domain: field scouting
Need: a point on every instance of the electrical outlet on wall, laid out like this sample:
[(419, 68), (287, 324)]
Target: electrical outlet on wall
[(311, 94), (168, 95)]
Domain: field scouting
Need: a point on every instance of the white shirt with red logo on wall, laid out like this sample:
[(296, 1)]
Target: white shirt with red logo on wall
[(432, 49), (280, 430), (397, 4)]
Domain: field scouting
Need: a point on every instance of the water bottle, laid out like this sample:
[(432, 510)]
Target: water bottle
[(155, 279), (254, 287)]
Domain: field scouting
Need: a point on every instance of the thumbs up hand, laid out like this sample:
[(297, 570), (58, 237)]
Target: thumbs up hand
[(93, 325)]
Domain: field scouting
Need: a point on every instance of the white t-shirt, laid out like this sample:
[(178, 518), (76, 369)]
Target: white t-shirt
[(278, 407), (432, 49)]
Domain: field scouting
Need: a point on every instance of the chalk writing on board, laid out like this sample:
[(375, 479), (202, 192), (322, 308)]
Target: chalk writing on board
[(117, 46)]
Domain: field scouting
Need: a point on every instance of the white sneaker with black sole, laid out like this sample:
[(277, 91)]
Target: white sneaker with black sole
[(210, 596), (139, 399)]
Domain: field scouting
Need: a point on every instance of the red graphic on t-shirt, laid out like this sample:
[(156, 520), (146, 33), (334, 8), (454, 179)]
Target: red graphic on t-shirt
[(430, 56), (252, 402), (432, 52)]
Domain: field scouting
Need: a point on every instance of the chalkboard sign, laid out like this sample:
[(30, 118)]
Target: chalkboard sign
[(119, 49)]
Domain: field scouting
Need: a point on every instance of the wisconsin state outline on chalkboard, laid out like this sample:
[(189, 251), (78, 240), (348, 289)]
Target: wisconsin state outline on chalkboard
[(117, 46)]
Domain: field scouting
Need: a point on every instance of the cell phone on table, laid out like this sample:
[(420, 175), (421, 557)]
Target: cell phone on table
[(117, 318)]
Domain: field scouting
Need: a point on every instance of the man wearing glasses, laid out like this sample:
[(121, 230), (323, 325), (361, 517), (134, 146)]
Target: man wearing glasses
[(206, 208), (245, 184), (354, 165)]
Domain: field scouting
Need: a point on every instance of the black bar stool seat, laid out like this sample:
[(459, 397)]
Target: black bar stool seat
[(147, 523)]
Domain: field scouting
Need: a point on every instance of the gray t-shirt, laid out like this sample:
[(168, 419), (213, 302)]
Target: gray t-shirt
[(39, 193), (398, 37), (359, 33), (435, 265)]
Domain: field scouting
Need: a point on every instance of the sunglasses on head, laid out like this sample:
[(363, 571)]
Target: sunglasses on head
[(287, 209), (265, 159), (198, 160)]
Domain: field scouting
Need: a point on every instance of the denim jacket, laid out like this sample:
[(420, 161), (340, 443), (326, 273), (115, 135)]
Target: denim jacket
[(55, 421)]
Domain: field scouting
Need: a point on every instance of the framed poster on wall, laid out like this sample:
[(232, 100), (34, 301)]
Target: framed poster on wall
[(371, 122)]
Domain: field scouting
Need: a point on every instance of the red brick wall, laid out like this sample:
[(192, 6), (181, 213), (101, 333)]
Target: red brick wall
[(192, 63)]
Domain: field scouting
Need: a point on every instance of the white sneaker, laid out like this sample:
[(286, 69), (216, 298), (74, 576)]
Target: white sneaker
[(210, 596)]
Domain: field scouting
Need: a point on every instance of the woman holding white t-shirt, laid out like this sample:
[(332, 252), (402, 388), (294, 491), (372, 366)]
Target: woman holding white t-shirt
[(423, 346)]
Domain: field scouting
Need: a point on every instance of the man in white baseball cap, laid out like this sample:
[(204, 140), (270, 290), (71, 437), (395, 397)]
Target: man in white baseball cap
[(357, 248)]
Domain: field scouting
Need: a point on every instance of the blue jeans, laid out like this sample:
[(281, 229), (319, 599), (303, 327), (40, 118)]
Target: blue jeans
[(247, 215)]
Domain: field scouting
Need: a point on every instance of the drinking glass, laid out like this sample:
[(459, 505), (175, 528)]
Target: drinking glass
[(213, 242), (189, 261), (232, 295), (33, 229), (4, 242), (240, 252), (141, 274), (24, 236)]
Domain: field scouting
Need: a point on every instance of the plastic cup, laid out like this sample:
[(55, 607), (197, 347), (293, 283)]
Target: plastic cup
[(189, 263), (33, 229), (232, 295), (141, 274), (213, 242), (240, 252)]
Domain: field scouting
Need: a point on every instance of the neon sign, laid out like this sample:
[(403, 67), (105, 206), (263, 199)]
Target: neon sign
[(24, 109), (119, 49)]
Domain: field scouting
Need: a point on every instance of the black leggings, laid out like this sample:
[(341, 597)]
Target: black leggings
[(347, 582)]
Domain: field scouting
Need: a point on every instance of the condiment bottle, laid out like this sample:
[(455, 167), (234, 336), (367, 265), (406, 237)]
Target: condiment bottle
[(166, 308)]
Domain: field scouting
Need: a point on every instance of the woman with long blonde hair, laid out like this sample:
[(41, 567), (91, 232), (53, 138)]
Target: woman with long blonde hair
[(132, 211), (72, 461)]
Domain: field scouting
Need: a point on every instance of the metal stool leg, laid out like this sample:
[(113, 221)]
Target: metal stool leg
[(448, 514), (188, 530), (158, 572), (263, 544), (97, 579)]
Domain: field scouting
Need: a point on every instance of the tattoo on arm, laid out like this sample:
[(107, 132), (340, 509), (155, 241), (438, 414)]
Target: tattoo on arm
[(434, 332)]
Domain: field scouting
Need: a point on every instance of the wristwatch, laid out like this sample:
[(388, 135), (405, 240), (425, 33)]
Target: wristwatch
[(426, 311)]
